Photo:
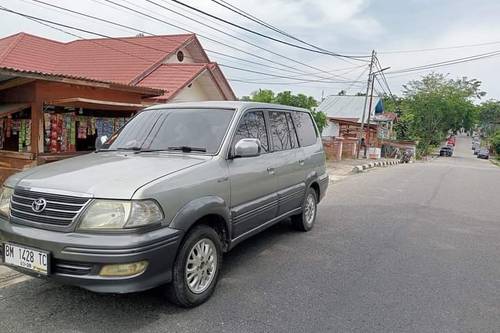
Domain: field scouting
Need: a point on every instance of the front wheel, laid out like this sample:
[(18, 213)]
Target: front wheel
[(196, 267), (305, 220)]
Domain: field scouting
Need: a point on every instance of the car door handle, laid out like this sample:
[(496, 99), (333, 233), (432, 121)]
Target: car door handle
[(301, 162), (270, 171)]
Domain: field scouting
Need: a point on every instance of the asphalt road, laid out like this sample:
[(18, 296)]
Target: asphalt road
[(411, 248)]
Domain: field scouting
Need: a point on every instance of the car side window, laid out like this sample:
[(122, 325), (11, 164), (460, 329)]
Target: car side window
[(293, 132), (279, 131), (305, 128), (253, 126)]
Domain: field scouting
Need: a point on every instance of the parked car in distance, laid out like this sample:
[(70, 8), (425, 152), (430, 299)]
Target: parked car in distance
[(483, 153), (164, 198), (446, 151)]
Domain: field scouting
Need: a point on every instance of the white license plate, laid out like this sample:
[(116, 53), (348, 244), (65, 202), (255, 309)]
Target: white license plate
[(27, 258)]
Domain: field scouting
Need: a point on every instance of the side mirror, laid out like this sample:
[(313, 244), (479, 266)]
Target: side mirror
[(100, 141), (247, 148)]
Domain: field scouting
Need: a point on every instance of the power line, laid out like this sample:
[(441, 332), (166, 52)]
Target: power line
[(325, 80), (439, 48), (227, 34), (39, 19), (266, 36), (281, 76), (384, 78), (448, 62), (117, 39), (151, 34), (222, 43), (50, 23), (284, 83), (253, 18), (334, 100)]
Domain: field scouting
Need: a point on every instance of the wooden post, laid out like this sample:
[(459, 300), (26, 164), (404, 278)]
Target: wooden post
[(36, 128)]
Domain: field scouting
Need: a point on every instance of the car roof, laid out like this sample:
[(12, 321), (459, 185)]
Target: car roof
[(239, 105)]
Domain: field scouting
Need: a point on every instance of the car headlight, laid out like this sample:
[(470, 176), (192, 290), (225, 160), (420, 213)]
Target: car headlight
[(5, 195), (118, 214)]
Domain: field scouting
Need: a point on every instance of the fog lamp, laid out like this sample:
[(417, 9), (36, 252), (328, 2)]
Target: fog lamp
[(124, 269)]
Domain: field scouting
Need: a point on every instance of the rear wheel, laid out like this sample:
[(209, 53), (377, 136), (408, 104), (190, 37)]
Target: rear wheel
[(196, 267), (305, 220)]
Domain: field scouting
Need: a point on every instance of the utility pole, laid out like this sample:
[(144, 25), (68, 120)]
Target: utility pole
[(367, 135), (361, 130), (370, 107)]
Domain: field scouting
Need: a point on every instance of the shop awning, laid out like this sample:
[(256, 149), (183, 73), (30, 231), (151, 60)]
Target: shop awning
[(87, 103), (9, 108)]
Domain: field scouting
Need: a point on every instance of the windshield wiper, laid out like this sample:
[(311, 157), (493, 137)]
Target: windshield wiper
[(188, 149), (129, 148)]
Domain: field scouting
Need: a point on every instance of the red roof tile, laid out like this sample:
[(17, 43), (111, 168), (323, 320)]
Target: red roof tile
[(172, 77)]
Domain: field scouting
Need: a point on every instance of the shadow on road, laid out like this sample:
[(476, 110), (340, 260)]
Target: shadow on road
[(57, 307)]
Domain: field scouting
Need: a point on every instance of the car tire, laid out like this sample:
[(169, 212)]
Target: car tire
[(305, 220), (198, 259)]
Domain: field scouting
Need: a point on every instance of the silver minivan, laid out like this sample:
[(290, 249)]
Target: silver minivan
[(163, 198)]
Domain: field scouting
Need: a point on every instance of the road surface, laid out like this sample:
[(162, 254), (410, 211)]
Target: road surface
[(411, 248)]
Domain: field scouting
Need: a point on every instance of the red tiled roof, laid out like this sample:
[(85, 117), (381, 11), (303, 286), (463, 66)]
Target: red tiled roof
[(30, 53), (172, 77), (108, 59), (129, 60)]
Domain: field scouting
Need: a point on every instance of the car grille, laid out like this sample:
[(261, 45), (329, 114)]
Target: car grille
[(60, 210)]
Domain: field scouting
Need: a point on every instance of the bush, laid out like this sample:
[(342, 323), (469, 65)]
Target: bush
[(495, 142)]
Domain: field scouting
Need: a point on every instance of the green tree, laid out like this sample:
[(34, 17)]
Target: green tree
[(489, 116), (435, 105), (287, 98), (261, 95), (495, 142)]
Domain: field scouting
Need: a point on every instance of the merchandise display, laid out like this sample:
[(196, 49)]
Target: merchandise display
[(63, 132), (69, 132), (15, 130)]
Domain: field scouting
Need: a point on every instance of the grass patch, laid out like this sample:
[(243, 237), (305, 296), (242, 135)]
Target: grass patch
[(495, 161)]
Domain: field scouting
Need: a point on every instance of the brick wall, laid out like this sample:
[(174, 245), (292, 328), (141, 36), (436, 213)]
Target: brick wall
[(333, 148), (349, 148)]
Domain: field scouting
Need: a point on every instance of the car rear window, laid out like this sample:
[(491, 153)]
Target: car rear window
[(304, 126)]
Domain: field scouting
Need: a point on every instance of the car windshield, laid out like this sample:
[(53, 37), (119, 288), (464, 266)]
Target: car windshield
[(185, 130)]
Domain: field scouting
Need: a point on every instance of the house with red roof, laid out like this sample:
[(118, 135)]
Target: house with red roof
[(57, 97)]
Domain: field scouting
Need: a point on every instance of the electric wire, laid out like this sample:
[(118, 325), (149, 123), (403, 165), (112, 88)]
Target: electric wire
[(267, 36), (222, 43), (255, 19), (166, 37), (38, 19)]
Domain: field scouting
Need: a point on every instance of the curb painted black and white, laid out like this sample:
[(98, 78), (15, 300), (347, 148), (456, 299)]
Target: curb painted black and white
[(371, 165)]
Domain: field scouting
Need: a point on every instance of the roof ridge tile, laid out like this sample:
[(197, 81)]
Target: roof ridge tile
[(12, 45)]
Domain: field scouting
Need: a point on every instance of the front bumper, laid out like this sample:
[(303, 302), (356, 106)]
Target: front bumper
[(77, 258)]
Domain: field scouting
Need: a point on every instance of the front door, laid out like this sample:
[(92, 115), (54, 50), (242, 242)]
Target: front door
[(253, 179)]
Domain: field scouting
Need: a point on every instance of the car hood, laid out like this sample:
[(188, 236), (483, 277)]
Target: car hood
[(113, 175)]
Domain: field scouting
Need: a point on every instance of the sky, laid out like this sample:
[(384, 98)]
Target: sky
[(395, 29)]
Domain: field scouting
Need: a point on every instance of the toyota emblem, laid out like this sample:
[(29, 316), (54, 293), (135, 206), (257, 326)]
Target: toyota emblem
[(39, 205)]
